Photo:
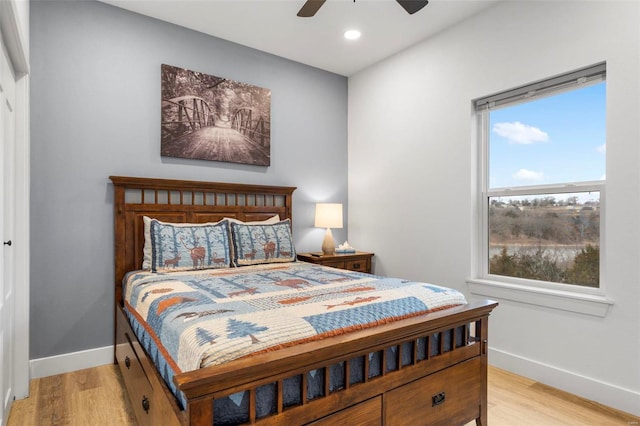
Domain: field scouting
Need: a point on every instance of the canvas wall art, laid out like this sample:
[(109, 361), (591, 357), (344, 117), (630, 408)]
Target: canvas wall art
[(213, 118)]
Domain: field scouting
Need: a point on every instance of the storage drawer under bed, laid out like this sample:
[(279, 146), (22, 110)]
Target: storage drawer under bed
[(367, 413), (135, 379), (138, 376), (442, 398)]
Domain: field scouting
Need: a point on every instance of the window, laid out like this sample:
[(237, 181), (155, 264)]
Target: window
[(542, 181)]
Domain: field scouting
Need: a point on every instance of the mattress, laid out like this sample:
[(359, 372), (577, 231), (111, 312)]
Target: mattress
[(192, 319)]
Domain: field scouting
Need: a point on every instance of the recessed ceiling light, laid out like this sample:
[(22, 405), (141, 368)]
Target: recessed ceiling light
[(352, 35)]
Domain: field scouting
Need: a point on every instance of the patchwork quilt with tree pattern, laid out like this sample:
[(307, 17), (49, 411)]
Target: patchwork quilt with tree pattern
[(191, 319)]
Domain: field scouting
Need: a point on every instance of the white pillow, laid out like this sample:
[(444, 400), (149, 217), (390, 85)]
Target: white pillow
[(269, 221)]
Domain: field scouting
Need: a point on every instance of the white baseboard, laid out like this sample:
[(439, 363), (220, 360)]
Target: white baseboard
[(613, 396), (607, 394), (65, 363)]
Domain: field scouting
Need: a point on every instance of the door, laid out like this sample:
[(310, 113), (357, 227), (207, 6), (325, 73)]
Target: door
[(7, 283)]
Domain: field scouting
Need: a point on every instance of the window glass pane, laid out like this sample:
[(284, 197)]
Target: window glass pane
[(551, 140), (550, 237)]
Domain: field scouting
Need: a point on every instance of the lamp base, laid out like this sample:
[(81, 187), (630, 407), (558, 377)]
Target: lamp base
[(328, 246)]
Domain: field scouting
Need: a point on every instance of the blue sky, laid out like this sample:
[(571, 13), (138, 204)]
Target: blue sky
[(550, 140)]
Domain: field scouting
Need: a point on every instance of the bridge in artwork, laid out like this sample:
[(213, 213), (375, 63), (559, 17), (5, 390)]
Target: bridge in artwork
[(192, 129)]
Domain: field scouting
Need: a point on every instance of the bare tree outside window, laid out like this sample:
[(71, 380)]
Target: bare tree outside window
[(546, 237)]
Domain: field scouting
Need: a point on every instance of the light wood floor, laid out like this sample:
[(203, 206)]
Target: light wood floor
[(96, 397)]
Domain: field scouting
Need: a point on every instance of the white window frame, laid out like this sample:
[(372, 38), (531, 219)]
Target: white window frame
[(568, 297)]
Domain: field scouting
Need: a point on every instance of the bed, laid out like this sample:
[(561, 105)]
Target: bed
[(426, 367)]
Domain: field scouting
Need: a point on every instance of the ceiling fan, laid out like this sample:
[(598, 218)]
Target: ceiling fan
[(312, 6)]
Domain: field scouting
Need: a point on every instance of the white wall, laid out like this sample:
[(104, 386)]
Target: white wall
[(412, 177)]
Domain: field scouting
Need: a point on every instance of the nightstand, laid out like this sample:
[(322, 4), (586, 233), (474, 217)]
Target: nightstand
[(359, 261)]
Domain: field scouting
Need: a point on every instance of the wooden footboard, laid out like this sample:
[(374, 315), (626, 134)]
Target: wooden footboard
[(424, 376)]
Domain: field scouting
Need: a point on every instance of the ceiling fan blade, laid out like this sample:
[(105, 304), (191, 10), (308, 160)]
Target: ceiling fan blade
[(310, 8), (412, 6)]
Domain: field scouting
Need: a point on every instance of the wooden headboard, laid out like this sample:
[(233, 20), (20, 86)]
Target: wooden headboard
[(183, 201)]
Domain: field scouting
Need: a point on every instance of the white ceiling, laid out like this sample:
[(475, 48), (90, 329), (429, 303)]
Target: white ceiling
[(272, 26)]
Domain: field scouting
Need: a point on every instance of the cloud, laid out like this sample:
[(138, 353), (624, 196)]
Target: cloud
[(519, 133), (602, 149), (528, 175)]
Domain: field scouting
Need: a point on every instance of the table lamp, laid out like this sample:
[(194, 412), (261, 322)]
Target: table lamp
[(328, 215)]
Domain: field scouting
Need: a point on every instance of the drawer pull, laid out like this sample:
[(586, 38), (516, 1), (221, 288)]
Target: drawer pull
[(127, 362), (356, 265), (145, 403), (437, 399)]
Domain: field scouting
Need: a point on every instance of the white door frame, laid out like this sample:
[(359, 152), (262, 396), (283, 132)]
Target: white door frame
[(14, 26)]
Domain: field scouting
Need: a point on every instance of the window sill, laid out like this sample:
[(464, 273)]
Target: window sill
[(588, 304)]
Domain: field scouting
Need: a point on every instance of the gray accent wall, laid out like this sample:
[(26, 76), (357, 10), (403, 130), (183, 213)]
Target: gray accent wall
[(95, 112)]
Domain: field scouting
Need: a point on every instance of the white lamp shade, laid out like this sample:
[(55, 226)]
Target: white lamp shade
[(328, 215)]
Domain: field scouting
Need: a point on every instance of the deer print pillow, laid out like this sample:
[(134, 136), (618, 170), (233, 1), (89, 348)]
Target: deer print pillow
[(255, 244), (186, 246)]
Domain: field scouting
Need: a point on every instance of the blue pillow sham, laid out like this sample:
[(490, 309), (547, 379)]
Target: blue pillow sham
[(186, 246), (260, 244)]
